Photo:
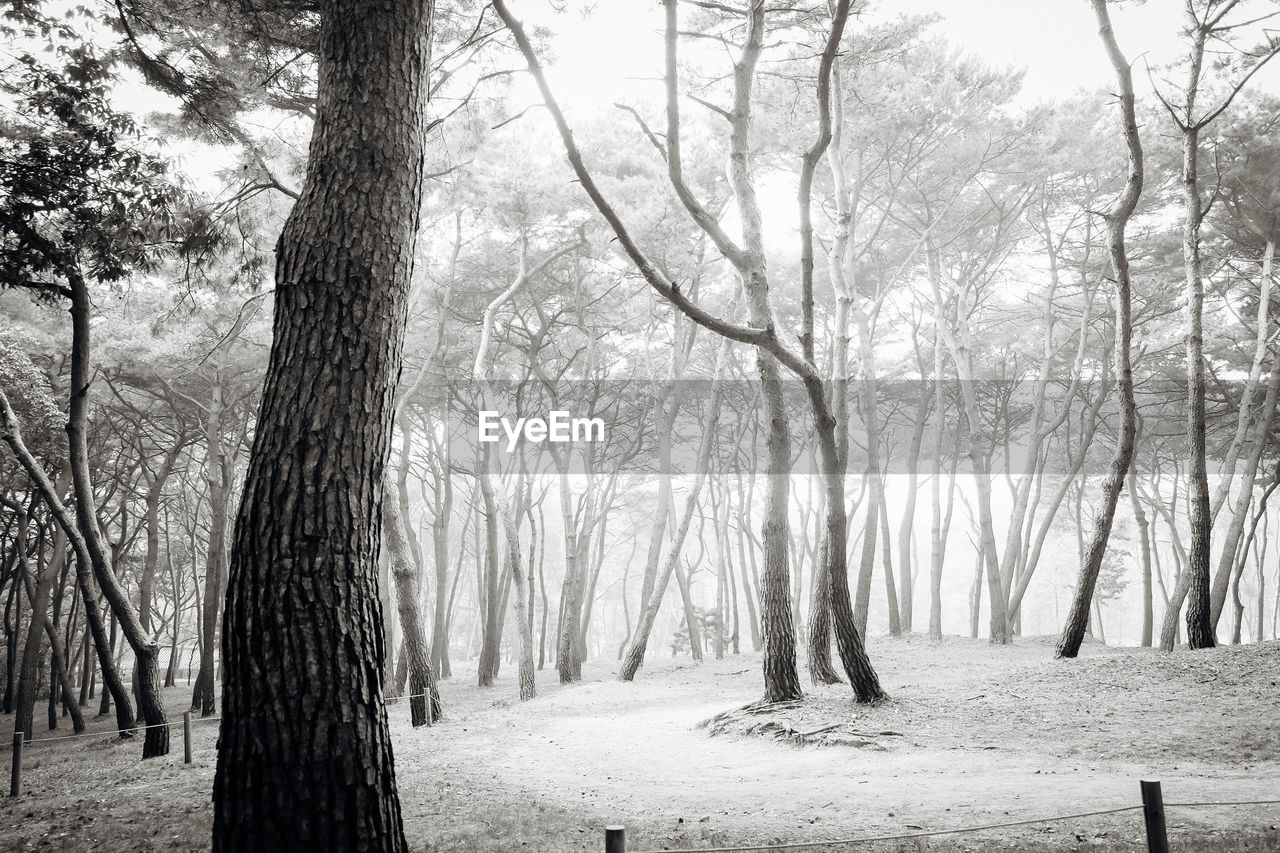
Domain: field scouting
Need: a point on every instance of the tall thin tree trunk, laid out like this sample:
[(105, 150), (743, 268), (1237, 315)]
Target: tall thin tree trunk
[(424, 696), (1117, 220), (633, 658), (204, 694), (1144, 543)]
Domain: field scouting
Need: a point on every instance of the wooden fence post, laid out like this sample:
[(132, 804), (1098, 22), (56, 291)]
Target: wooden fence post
[(615, 839), (186, 737), (1153, 813), (15, 779)]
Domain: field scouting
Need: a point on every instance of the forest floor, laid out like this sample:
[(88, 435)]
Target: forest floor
[(973, 735)]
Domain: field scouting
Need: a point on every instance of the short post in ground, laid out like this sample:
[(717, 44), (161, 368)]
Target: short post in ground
[(186, 737), (1153, 813), (15, 778), (615, 839)]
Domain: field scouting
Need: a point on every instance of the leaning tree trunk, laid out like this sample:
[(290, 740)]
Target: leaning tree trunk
[(522, 581), (1240, 516), (1117, 220), (24, 716), (853, 654), (1144, 544), (633, 658), (145, 649), (424, 697), (305, 754), (114, 686)]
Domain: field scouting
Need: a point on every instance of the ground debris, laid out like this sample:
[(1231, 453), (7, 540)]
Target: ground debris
[(793, 722)]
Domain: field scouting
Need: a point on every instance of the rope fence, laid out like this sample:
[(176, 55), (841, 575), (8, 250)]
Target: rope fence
[(132, 729), (19, 738), (1152, 806)]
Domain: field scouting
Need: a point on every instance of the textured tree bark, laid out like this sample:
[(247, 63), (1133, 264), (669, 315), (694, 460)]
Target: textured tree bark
[(305, 755), (1117, 220), (821, 670), (781, 680)]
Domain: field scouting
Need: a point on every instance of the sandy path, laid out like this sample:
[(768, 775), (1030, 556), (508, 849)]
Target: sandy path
[(988, 735)]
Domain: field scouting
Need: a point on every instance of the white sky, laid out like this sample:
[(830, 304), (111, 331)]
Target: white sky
[(606, 51), (600, 53)]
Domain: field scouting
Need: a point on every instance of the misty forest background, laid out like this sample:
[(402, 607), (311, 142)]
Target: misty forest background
[(1003, 405)]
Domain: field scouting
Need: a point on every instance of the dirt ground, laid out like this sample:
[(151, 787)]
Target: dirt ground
[(973, 735)]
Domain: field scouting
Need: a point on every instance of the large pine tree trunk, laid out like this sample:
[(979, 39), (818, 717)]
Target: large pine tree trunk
[(305, 756)]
